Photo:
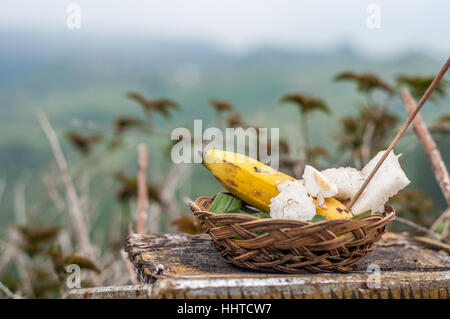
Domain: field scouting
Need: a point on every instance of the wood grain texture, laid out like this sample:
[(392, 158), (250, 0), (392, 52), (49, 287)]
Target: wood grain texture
[(393, 285)]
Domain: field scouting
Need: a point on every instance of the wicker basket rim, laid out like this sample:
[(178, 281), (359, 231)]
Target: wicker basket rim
[(198, 207)]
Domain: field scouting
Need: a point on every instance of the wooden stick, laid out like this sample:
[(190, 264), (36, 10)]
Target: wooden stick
[(417, 227), (434, 243), (142, 204), (422, 101), (429, 146), (434, 156)]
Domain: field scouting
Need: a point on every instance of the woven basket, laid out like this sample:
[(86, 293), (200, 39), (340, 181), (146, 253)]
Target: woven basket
[(290, 246)]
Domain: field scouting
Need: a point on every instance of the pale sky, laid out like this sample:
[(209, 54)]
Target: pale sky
[(241, 25)]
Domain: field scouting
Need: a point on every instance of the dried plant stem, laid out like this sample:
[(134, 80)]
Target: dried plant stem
[(366, 146), (443, 218), (23, 267), (7, 257), (100, 193), (20, 203), (77, 218), (106, 128), (154, 213), (130, 268), (434, 156), (418, 227), (431, 242), (429, 146), (142, 204), (58, 201), (168, 202), (356, 159), (22, 262), (84, 187), (176, 176), (8, 293), (2, 188), (411, 117)]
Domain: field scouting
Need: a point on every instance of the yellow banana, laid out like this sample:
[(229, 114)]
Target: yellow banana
[(250, 180), (335, 209), (256, 183)]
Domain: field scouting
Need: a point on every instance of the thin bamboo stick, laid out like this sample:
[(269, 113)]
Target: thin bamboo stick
[(411, 117)]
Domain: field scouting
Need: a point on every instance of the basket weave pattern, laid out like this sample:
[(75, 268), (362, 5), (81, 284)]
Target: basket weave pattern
[(290, 246)]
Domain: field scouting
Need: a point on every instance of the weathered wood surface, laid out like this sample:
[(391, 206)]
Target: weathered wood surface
[(180, 266), (114, 292), (394, 285), (182, 255)]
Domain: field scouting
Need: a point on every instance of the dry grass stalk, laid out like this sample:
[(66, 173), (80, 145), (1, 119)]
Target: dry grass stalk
[(176, 177), (76, 215), (154, 213), (8, 293), (417, 227), (8, 256), (433, 243), (109, 129), (53, 194), (366, 142), (142, 204), (444, 218), (19, 203), (23, 264), (130, 268), (2, 188)]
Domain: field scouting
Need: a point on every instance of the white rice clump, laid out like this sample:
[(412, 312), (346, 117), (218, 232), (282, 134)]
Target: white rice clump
[(387, 182), (292, 202), (347, 180)]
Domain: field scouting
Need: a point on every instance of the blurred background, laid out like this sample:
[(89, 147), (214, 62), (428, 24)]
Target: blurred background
[(195, 55)]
